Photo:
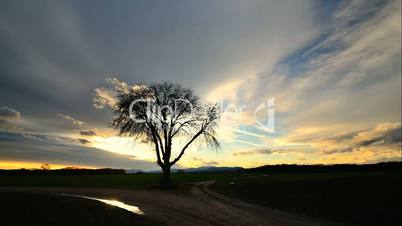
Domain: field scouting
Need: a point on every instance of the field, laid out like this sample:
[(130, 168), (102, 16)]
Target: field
[(46, 210), (355, 198), (113, 181)]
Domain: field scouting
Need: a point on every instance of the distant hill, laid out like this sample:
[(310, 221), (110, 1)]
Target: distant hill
[(131, 171), (285, 168), (203, 169), (383, 166), (212, 169)]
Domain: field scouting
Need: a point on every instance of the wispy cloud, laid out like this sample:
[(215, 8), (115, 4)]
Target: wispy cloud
[(196, 161), (9, 118), (73, 120), (106, 97), (383, 136), (346, 79)]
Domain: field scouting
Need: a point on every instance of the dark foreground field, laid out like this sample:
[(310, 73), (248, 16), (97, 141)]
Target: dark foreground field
[(111, 181), (52, 209), (351, 198)]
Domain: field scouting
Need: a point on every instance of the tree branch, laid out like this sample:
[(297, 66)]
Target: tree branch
[(186, 146)]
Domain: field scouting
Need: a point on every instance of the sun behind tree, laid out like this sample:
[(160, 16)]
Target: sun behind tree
[(161, 112)]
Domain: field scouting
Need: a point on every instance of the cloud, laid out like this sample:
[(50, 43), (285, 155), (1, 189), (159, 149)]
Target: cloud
[(9, 118), (386, 133), (324, 79), (9, 113), (83, 141), (87, 133), (241, 153), (103, 97), (44, 139), (333, 68), (73, 120), (253, 152), (34, 137), (201, 162), (215, 42), (344, 80), (383, 136), (62, 150), (106, 97), (117, 84), (266, 151)]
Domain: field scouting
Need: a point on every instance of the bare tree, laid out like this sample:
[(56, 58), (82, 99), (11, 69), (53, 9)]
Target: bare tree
[(45, 166), (162, 112)]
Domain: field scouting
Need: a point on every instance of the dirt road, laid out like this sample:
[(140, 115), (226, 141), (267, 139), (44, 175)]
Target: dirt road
[(201, 207)]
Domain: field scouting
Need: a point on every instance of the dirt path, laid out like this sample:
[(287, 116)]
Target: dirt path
[(201, 207)]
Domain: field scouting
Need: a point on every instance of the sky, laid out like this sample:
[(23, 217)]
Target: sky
[(331, 68)]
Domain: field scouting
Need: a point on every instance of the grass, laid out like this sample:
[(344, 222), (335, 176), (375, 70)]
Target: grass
[(114, 181)]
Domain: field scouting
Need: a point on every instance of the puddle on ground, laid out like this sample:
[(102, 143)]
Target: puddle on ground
[(122, 205)]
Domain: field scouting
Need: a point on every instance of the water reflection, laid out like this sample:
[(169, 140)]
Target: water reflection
[(116, 203)]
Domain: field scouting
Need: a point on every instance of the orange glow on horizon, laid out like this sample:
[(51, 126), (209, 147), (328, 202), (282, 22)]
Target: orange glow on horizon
[(36, 165)]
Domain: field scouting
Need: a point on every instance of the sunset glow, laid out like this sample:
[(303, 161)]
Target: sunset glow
[(331, 71)]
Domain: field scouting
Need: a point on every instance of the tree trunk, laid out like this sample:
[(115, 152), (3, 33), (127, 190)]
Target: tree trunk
[(166, 176)]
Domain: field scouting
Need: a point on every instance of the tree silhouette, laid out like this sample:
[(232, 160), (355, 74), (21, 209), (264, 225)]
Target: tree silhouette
[(162, 112), (45, 166)]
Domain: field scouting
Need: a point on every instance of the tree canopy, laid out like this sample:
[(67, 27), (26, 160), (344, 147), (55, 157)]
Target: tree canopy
[(160, 112)]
